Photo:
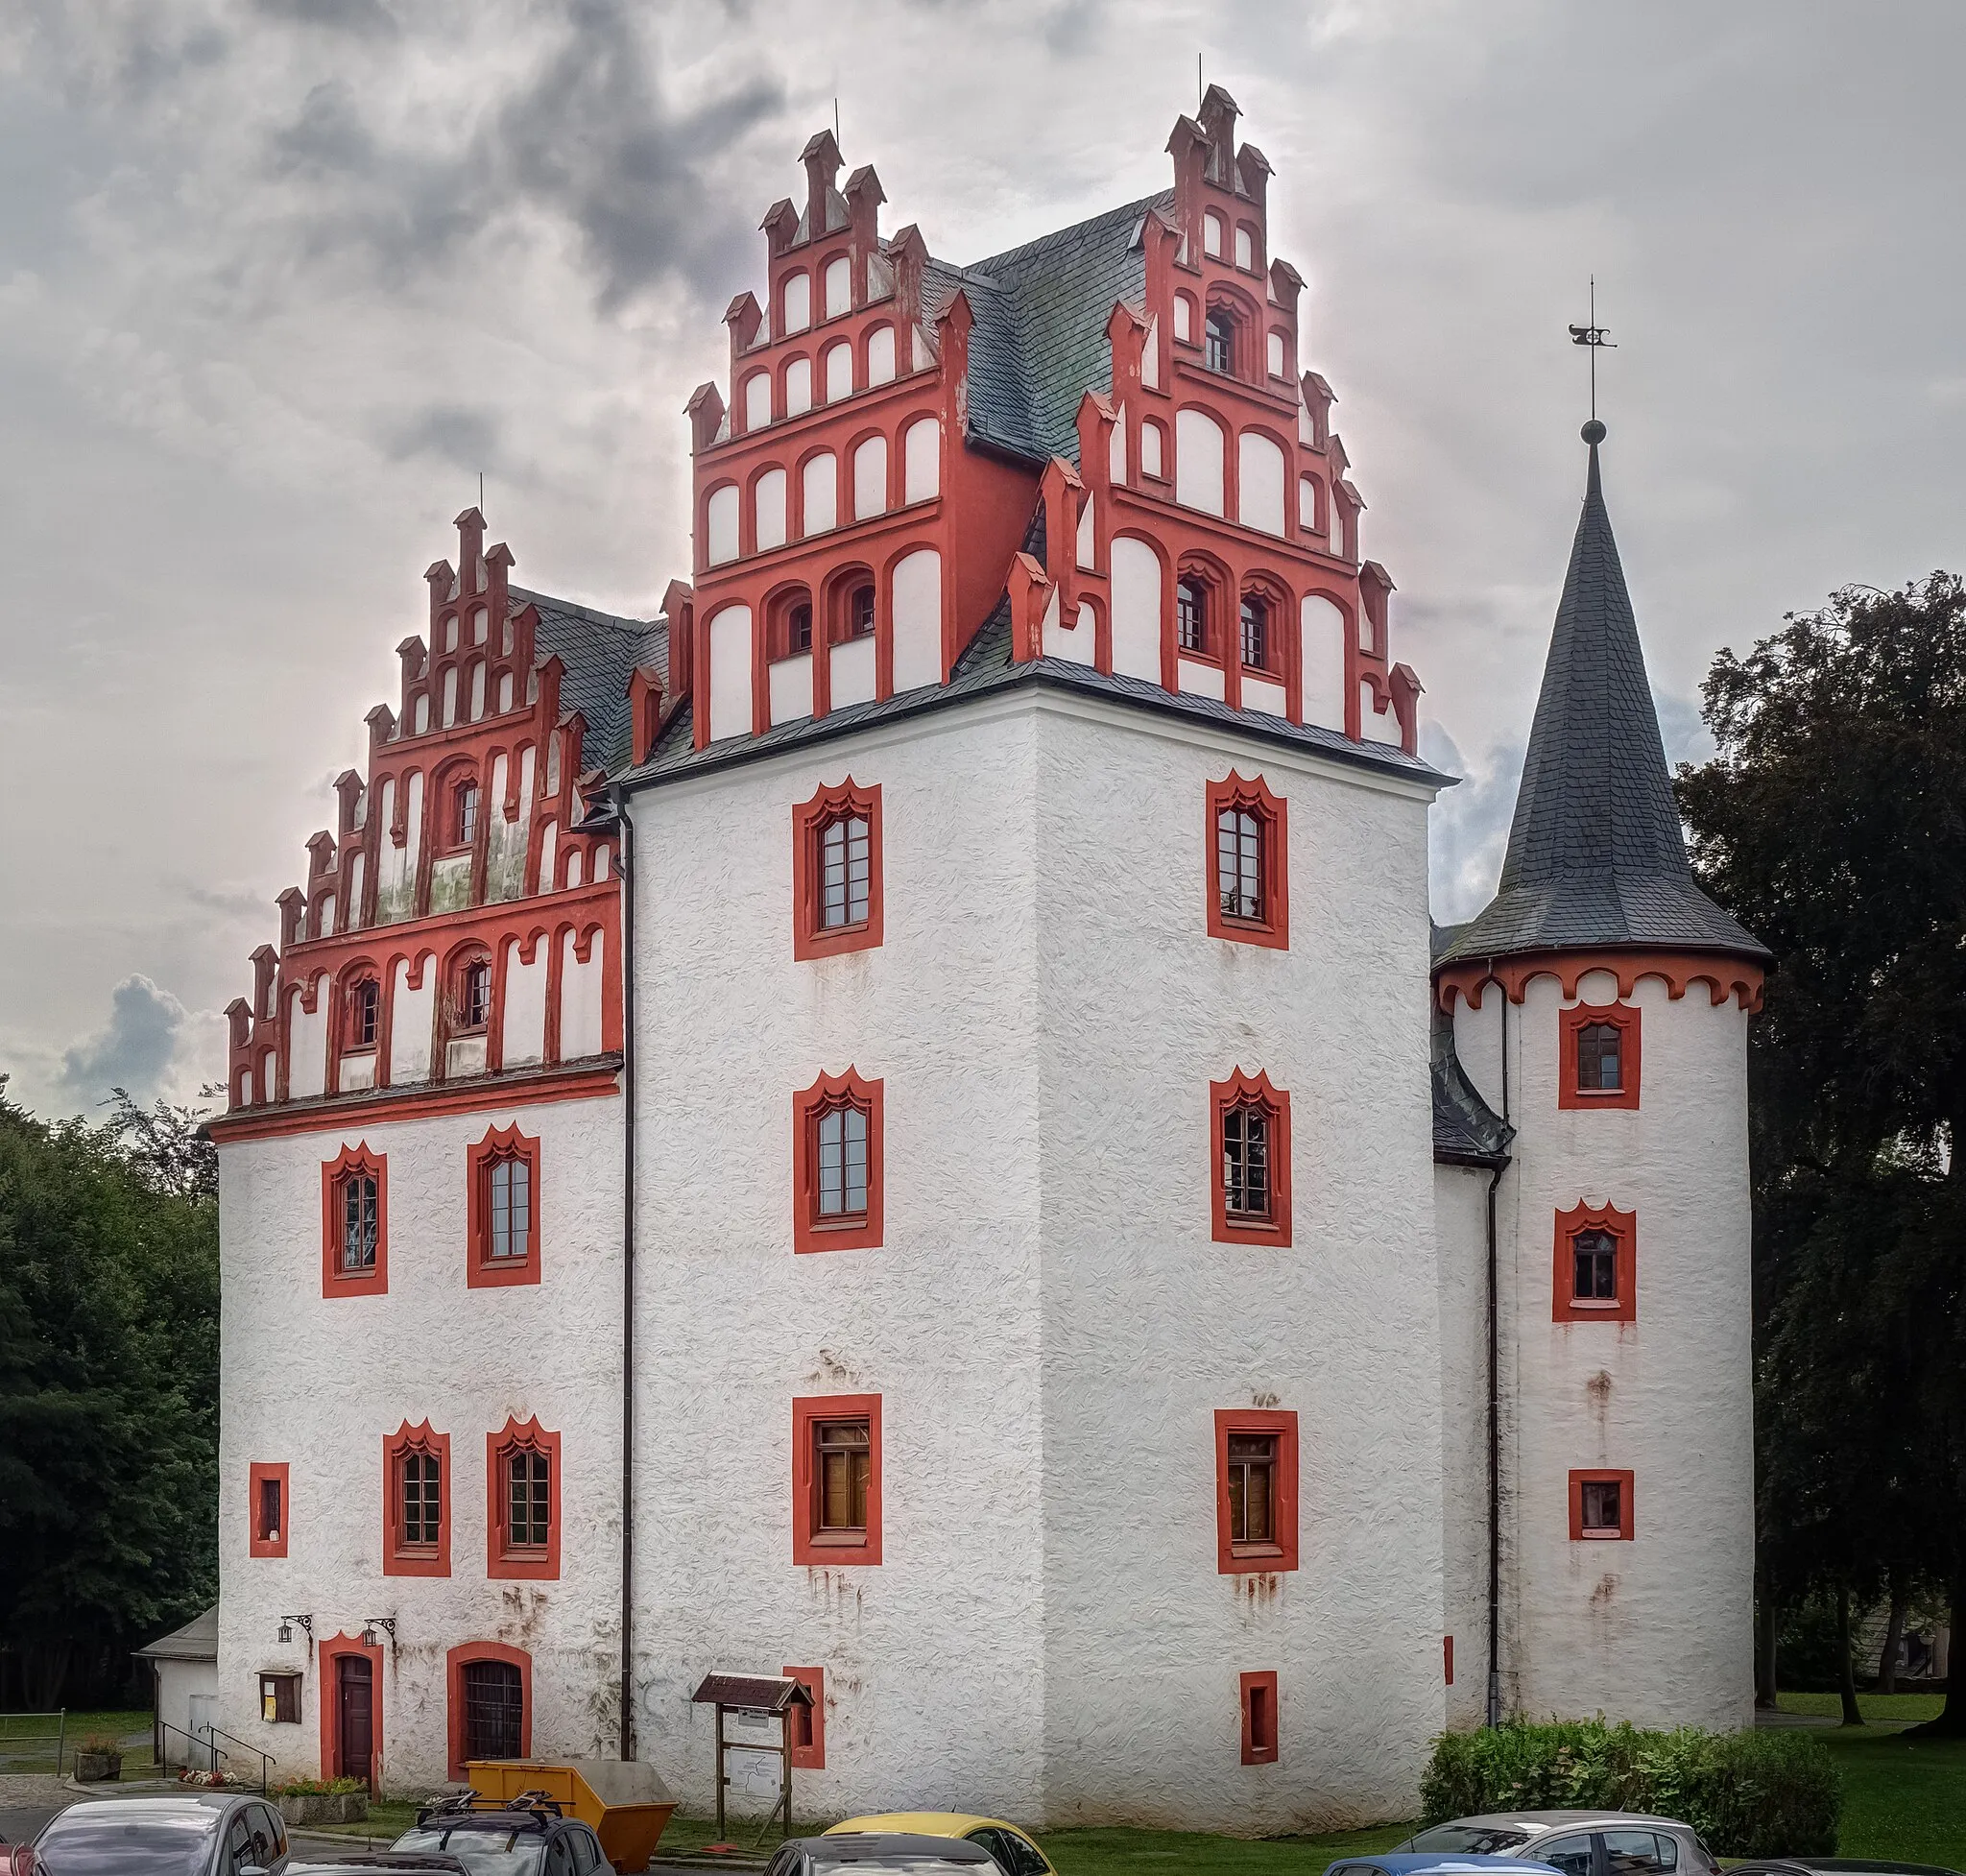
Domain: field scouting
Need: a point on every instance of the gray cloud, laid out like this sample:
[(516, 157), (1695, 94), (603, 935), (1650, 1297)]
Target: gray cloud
[(460, 434), (365, 19), (136, 1049)]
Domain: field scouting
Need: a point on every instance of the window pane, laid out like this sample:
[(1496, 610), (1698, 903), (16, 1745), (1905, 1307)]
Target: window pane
[(494, 1709), (358, 1223), (530, 1485), (1246, 1161), (1602, 1505), (1597, 1266), (1239, 862), (843, 1163), (1599, 1069)]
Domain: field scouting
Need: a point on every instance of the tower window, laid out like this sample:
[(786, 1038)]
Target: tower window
[(843, 1164), (1191, 615), (1256, 1489), (503, 1210), (1598, 1060), (1256, 631), (1239, 862), (845, 1471), (528, 1483), (1601, 1506), (836, 1200), (522, 1467), (1247, 846), (512, 1206), (1250, 1203), (1258, 1720), (354, 1224), (836, 1479), (1252, 1488), (474, 996), (842, 870), (360, 1198), (1218, 342), (1595, 1267), (421, 1494)]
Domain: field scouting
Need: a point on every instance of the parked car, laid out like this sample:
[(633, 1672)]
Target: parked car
[(1013, 1852), (1577, 1843), (197, 1834), (389, 1863), (1431, 1864), (523, 1837), (1837, 1867), (897, 1853)]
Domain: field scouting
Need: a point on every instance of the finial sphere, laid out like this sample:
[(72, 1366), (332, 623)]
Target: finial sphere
[(1593, 433)]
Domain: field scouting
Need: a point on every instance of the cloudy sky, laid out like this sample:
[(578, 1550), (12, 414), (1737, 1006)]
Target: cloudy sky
[(279, 279)]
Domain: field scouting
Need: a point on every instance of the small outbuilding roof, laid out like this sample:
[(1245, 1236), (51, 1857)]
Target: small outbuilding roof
[(753, 1693), (197, 1640)]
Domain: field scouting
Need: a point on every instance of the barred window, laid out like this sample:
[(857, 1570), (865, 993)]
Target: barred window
[(1256, 631), (1246, 1161), (1191, 615), (360, 1223), (494, 1709), (1599, 1069), (423, 1498), (529, 1498), (844, 872), (1239, 862), (1252, 1488), (512, 1206), (1596, 1254), (845, 1466), (843, 1163)]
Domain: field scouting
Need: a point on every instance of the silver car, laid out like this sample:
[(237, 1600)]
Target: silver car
[(1578, 1843)]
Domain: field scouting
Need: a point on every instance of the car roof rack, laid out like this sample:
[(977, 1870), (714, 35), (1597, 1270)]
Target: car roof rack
[(527, 1808)]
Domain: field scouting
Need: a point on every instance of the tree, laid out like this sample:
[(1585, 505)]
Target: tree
[(109, 1394), (1833, 824)]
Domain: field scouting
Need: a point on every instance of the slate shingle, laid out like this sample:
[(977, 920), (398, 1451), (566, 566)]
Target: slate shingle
[(600, 652)]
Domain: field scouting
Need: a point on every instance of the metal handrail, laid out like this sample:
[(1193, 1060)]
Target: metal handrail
[(203, 1744), (265, 1758)]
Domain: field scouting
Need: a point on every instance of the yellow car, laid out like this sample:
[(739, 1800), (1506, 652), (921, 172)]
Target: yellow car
[(1013, 1852)]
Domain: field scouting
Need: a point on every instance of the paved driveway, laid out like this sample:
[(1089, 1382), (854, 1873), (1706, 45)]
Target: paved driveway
[(28, 1799)]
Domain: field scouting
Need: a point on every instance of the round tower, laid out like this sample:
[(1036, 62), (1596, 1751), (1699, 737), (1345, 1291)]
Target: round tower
[(1599, 1004)]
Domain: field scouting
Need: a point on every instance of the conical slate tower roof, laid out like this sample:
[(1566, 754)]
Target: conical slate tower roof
[(1595, 857)]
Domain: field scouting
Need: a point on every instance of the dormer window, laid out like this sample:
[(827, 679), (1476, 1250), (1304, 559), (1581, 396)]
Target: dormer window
[(1191, 615), (1218, 342), (1256, 631), (465, 817)]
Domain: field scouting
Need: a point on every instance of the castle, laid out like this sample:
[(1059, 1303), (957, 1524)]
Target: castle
[(902, 1121)]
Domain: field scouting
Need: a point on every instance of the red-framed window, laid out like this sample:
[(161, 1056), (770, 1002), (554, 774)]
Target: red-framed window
[(355, 1223), (1259, 1699), (503, 1210), (362, 1014), (1600, 1506), (416, 1501), (836, 1479), (489, 1688), (1248, 863), (470, 999), (1256, 1489), (837, 1164), (1249, 1135), (463, 814), (1595, 1266), (1599, 1064), (269, 1506), (805, 1727), (1257, 626), (837, 872), (522, 1474)]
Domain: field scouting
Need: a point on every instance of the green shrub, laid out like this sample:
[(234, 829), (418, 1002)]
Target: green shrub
[(1748, 1794), (316, 1787)]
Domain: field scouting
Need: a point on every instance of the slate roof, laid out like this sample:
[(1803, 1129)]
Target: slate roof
[(987, 668), (1039, 344), (1595, 855), (197, 1640), (1465, 1130), (600, 652)]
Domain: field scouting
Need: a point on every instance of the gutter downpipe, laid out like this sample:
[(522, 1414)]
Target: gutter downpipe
[(1494, 1397), (626, 853)]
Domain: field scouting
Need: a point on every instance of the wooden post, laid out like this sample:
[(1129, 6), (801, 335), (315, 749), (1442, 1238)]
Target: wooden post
[(722, 1781)]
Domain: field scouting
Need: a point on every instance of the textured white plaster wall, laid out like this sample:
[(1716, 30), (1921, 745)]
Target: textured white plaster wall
[(321, 1383), (1656, 1630), (1460, 1210), (1149, 1327), (934, 1673)]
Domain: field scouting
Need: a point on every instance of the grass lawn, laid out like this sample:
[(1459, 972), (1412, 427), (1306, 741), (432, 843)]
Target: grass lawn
[(19, 1753), (1908, 1708), (1903, 1799)]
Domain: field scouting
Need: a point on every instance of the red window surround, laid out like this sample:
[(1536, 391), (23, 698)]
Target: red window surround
[(1624, 1019), (327, 1688), (1253, 909), (503, 1210), (407, 1549), (341, 1194), (829, 1212), (1581, 1532), (1235, 1558), (455, 1662), (807, 1725), (506, 1555), (1622, 1228), (809, 1544), (855, 926), (1446, 1655), (1248, 1095), (1258, 1702), (264, 1539)]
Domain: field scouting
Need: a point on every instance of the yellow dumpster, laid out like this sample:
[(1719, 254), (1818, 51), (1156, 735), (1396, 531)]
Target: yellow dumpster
[(625, 1802)]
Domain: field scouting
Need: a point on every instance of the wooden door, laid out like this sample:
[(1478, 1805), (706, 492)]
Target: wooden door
[(355, 1730)]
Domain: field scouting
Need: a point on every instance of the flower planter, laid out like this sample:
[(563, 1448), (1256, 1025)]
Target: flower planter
[(337, 1807), (98, 1768)]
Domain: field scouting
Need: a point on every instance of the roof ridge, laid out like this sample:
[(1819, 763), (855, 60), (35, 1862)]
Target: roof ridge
[(592, 614), (1104, 215)]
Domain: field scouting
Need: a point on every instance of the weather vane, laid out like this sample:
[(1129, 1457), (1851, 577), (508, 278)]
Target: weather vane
[(1593, 338)]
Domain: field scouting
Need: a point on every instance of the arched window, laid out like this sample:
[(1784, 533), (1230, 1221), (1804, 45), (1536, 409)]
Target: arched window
[(1251, 1146), (364, 1013), (354, 1219), (416, 1540), (1191, 614), (1218, 341), (837, 1174), (503, 1208), (844, 872), (1257, 638), (1597, 1265), (1251, 899), (524, 1468), (837, 872)]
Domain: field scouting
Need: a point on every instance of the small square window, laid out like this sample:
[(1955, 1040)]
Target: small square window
[(280, 1699), (1600, 1506)]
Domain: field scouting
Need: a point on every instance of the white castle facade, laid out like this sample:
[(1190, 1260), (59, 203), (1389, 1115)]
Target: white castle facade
[(902, 1120)]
